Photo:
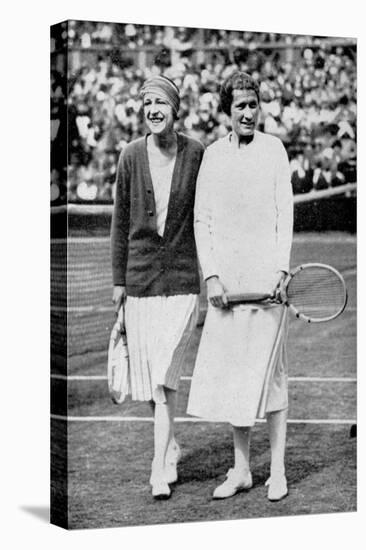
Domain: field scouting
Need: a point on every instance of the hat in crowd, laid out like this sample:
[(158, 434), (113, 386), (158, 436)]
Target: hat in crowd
[(165, 87)]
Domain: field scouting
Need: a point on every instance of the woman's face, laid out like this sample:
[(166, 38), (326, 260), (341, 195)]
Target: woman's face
[(158, 114), (244, 112)]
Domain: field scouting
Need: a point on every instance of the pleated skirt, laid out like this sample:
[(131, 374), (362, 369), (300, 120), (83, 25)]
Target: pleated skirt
[(158, 330)]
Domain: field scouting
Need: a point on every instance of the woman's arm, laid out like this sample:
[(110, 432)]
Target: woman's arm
[(285, 209), (121, 223), (203, 229), (119, 296)]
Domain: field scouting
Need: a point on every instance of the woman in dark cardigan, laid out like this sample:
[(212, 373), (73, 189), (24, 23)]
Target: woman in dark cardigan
[(155, 270)]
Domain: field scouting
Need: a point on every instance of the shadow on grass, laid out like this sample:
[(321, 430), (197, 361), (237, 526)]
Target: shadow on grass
[(214, 460)]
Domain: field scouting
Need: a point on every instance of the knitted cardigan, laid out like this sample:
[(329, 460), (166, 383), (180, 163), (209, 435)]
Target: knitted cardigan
[(143, 261)]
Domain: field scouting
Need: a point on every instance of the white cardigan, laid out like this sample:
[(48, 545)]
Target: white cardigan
[(244, 213)]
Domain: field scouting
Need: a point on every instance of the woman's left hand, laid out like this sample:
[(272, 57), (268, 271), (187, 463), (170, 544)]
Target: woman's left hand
[(216, 292), (278, 282), (119, 295)]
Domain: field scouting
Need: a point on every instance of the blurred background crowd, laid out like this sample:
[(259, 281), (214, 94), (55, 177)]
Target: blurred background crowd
[(308, 98)]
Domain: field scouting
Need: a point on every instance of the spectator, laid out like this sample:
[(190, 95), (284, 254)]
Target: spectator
[(307, 100)]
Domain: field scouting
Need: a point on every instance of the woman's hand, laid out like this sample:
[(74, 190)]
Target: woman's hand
[(216, 292), (278, 282), (119, 295)]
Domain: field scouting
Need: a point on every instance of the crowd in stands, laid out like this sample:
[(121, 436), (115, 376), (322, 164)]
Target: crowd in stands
[(87, 34), (308, 99)]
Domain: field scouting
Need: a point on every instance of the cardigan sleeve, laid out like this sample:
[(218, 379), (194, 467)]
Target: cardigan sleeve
[(203, 226), (121, 222), (284, 206)]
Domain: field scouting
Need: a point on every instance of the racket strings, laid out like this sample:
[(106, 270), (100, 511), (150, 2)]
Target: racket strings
[(317, 292)]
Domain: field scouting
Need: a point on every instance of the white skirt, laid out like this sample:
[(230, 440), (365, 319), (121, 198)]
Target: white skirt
[(241, 368), (158, 332)]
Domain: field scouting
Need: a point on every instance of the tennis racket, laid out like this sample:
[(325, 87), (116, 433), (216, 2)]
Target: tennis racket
[(118, 363), (314, 292)]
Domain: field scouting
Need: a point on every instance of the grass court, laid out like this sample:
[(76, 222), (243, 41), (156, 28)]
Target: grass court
[(110, 447)]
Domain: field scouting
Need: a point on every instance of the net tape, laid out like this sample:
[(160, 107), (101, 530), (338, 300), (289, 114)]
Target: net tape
[(88, 209)]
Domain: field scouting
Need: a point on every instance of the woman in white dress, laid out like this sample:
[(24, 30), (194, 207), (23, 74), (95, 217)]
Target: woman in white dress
[(243, 227), (155, 266)]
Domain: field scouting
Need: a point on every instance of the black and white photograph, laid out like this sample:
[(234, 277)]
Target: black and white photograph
[(203, 274), (184, 302)]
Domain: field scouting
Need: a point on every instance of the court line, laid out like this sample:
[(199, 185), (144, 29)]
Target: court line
[(191, 419), (297, 238), (72, 378), (82, 309), (107, 309)]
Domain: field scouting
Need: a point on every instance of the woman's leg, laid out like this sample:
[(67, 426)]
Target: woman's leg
[(171, 399), (163, 436), (239, 477), (173, 452), (241, 449), (277, 426)]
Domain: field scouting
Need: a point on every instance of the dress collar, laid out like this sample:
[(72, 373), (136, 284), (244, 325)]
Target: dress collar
[(234, 142)]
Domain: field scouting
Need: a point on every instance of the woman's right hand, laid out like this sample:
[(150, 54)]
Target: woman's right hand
[(119, 295), (216, 292)]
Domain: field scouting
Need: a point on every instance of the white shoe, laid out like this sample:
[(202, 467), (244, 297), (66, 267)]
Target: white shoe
[(234, 484), (277, 487), (159, 486), (160, 489), (173, 456)]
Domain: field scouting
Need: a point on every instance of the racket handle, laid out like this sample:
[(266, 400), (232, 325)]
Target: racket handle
[(248, 298)]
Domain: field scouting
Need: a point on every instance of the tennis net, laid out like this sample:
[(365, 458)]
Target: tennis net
[(82, 312)]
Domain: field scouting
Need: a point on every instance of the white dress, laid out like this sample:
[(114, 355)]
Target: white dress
[(158, 328), (243, 226)]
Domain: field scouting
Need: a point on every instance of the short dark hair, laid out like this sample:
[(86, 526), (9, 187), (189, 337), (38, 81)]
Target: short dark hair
[(238, 80)]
